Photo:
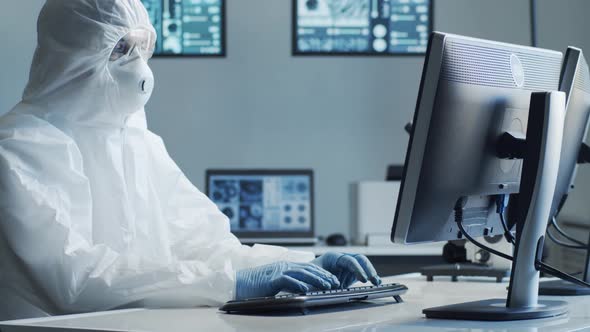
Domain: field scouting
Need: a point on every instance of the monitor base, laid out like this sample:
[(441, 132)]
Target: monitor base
[(496, 310), (464, 270), (561, 287)]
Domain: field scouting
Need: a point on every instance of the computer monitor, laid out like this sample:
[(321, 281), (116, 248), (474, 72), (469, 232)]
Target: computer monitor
[(575, 82), (474, 94), (361, 27), (188, 28), (265, 206)]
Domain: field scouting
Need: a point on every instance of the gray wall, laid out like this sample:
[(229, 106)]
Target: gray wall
[(261, 107)]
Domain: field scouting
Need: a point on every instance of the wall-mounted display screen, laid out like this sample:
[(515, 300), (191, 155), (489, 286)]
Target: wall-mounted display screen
[(188, 27), (363, 27)]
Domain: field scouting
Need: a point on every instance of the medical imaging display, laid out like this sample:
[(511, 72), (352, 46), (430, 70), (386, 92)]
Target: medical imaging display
[(263, 203), (188, 27), (361, 26)]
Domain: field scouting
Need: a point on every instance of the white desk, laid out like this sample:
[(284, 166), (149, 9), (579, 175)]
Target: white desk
[(430, 249), (379, 316)]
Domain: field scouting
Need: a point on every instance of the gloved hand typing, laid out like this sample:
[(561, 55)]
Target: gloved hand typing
[(348, 268), (268, 280)]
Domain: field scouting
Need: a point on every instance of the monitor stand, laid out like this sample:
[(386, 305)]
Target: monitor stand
[(565, 288), (464, 270), (455, 254), (540, 153)]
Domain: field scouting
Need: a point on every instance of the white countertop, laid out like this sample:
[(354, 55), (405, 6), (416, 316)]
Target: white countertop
[(382, 315), (431, 249)]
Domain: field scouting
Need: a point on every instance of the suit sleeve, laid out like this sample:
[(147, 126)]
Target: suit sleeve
[(199, 229), (46, 220)]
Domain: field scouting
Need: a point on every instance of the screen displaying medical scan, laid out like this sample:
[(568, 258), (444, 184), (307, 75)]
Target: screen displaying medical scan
[(368, 27), (188, 27), (266, 203)]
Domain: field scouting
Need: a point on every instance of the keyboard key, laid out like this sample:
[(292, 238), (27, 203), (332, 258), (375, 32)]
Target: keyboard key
[(334, 291)]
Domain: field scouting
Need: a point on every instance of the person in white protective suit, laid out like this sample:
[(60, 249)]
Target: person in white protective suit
[(94, 213)]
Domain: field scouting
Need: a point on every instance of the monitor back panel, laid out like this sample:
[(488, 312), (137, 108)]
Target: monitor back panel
[(472, 91)]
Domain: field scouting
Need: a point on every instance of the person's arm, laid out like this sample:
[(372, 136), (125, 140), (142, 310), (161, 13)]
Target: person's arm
[(46, 219), (198, 229)]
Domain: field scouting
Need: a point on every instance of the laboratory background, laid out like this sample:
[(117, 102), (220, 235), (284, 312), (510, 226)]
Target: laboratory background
[(259, 100), (262, 107)]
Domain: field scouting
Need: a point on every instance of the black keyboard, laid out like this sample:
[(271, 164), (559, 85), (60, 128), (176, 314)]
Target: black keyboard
[(304, 301)]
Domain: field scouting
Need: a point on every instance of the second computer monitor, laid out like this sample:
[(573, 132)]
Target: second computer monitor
[(472, 91), (575, 82)]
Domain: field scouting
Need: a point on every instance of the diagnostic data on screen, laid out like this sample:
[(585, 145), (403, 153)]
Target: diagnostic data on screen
[(362, 26), (187, 27), (263, 203)]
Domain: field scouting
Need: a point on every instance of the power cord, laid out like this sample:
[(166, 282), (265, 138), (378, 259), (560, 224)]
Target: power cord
[(459, 221), (561, 275), (501, 204), (565, 235), (561, 243), (539, 265)]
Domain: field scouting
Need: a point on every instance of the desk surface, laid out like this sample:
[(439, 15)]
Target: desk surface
[(378, 316), (430, 249)]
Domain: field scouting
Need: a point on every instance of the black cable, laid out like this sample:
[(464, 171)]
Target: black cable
[(561, 275), (507, 234), (563, 244), (539, 265), (481, 246), (564, 234), (501, 203)]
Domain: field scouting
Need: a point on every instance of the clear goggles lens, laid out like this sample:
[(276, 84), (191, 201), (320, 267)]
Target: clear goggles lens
[(141, 40)]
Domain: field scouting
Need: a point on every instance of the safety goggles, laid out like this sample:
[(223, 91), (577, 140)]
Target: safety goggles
[(140, 39)]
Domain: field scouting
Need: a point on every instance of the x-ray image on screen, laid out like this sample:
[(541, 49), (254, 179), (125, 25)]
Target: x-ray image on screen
[(361, 26), (188, 27)]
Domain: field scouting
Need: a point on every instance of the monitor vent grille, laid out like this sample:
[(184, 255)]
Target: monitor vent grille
[(582, 81), (490, 66)]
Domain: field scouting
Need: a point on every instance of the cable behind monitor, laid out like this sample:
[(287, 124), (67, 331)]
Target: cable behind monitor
[(539, 265)]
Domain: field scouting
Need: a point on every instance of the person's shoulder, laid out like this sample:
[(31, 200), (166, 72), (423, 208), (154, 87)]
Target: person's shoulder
[(15, 126), (30, 142), (18, 120)]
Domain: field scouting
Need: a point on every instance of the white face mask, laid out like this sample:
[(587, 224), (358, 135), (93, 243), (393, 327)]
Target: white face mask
[(134, 82)]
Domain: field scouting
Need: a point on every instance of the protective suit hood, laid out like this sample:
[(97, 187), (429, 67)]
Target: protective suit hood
[(94, 213), (70, 78)]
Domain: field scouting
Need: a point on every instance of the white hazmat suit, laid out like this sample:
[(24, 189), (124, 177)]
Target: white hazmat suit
[(94, 213)]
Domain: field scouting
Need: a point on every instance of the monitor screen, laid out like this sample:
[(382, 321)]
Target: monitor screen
[(364, 27), (264, 203), (188, 27)]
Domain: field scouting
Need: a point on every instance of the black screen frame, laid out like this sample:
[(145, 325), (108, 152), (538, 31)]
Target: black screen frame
[(296, 52), (222, 54), (270, 172)]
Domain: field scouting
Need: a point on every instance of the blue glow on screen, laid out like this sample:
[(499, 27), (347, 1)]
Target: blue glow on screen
[(263, 203), (187, 27), (362, 26)]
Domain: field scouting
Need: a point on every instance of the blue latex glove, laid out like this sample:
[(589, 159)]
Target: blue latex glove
[(348, 268), (268, 280)]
